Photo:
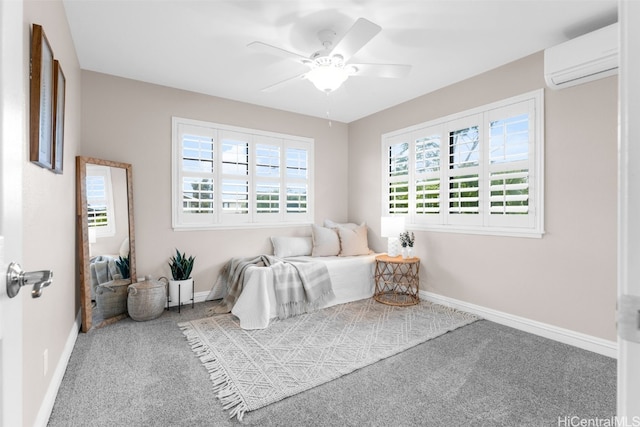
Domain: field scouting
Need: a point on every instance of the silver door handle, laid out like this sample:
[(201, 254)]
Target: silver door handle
[(17, 278)]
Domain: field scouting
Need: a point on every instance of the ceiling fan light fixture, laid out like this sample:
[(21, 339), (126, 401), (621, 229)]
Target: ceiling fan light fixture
[(328, 73)]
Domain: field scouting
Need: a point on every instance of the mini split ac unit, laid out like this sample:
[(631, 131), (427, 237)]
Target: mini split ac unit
[(583, 59)]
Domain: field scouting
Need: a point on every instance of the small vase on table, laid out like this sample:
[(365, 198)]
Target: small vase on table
[(409, 252)]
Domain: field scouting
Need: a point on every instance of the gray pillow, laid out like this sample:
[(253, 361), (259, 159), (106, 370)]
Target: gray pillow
[(291, 246), (325, 241)]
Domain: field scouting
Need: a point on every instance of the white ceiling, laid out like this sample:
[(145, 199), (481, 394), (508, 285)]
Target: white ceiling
[(200, 46)]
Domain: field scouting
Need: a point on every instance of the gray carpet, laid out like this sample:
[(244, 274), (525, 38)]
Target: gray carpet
[(484, 374)]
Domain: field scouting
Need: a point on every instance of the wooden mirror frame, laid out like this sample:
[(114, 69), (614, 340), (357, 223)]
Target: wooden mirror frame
[(83, 235)]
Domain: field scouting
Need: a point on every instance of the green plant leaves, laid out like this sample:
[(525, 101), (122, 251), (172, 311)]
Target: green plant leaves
[(181, 266), (123, 266)]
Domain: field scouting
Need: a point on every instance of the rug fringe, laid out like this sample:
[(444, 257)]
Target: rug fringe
[(226, 392)]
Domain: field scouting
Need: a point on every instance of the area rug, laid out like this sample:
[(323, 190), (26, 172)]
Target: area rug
[(251, 369)]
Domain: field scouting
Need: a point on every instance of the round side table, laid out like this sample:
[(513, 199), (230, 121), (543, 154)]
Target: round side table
[(397, 281)]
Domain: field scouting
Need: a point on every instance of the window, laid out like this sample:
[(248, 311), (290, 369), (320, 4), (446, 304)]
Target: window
[(478, 171), (228, 176), (100, 201)]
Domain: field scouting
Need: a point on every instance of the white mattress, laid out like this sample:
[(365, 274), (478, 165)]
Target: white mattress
[(351, 279)]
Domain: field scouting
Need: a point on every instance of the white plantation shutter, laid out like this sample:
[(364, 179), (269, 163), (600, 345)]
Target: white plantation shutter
[(397, 175), (194, 161), (428, 175), (296, 181), (479, 171), (509, 192), (511, 160), (268, 173), (228, 176), (234, 176), (100, 200), (463, 171)]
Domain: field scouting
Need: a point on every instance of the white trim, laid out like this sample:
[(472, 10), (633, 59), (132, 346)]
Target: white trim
[(200, 296), (565, 336), (199, 227), (496, 231), (628, 386), (56, 380), (14, 137)]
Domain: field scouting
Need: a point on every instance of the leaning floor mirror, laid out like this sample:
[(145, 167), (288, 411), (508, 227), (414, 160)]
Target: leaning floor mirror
[(106, 242)]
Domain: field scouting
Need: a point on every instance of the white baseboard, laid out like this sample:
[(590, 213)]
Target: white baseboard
[(56, 380), (197, 297), (566, 336), (200, 296)]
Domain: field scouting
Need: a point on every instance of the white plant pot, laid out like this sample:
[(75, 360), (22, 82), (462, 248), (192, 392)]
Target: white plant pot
[(180, 290)]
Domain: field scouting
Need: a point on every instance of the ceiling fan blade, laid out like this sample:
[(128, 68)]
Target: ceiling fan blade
[(274, 50), (354, 39), (394, 71), (283, 83)]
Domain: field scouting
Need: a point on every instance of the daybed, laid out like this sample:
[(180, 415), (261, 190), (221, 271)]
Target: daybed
[(342, 248)]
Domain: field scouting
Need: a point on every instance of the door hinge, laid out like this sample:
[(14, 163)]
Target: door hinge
[(629, 318)]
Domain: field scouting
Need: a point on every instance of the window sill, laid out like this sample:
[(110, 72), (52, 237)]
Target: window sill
[(199, 227), (504, 232)]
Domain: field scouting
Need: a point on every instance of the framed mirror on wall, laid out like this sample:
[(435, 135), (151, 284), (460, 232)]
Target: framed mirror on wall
[(106, 242)]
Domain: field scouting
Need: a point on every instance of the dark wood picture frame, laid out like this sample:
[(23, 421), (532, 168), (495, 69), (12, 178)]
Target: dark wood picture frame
[(41, 100), (58, 117)]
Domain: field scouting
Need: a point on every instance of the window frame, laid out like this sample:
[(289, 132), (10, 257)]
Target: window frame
[(224, 177), (529, 225), (108, 230)]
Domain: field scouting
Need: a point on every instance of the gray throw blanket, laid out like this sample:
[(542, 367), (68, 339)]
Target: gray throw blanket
[(300, 285), (103, 269)]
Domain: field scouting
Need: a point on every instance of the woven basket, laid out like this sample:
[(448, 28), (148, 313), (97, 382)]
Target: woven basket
[(111, 297), (147, 299)]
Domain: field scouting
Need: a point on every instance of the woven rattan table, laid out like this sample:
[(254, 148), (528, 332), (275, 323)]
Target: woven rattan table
[(397, 281)]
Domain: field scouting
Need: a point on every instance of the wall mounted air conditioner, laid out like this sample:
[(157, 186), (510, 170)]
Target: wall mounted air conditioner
[(583, 59)]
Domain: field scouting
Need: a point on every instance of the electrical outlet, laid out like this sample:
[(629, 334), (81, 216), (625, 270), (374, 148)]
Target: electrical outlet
[(45, 362)]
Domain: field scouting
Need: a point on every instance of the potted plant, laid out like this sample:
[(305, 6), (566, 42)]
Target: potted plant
[(181, 285), (407, 240), (123, 267)]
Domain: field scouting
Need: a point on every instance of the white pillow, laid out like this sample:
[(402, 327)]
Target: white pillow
[(291, 246), (325, 241), (124, 248), (353, 241), (330, 224)]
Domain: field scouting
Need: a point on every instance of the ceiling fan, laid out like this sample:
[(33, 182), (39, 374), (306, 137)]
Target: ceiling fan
[(330, 66)]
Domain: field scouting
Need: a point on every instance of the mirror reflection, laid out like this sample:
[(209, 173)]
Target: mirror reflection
[(106, 240)]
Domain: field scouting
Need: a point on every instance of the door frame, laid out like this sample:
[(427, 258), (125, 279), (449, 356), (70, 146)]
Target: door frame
[(628, 201), (13, 138)]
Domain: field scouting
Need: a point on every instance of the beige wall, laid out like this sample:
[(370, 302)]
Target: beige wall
[(567, 278), (49, 221), (130, 121)]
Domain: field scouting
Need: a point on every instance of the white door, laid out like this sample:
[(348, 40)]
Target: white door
[(629, 213), (12, 147)]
